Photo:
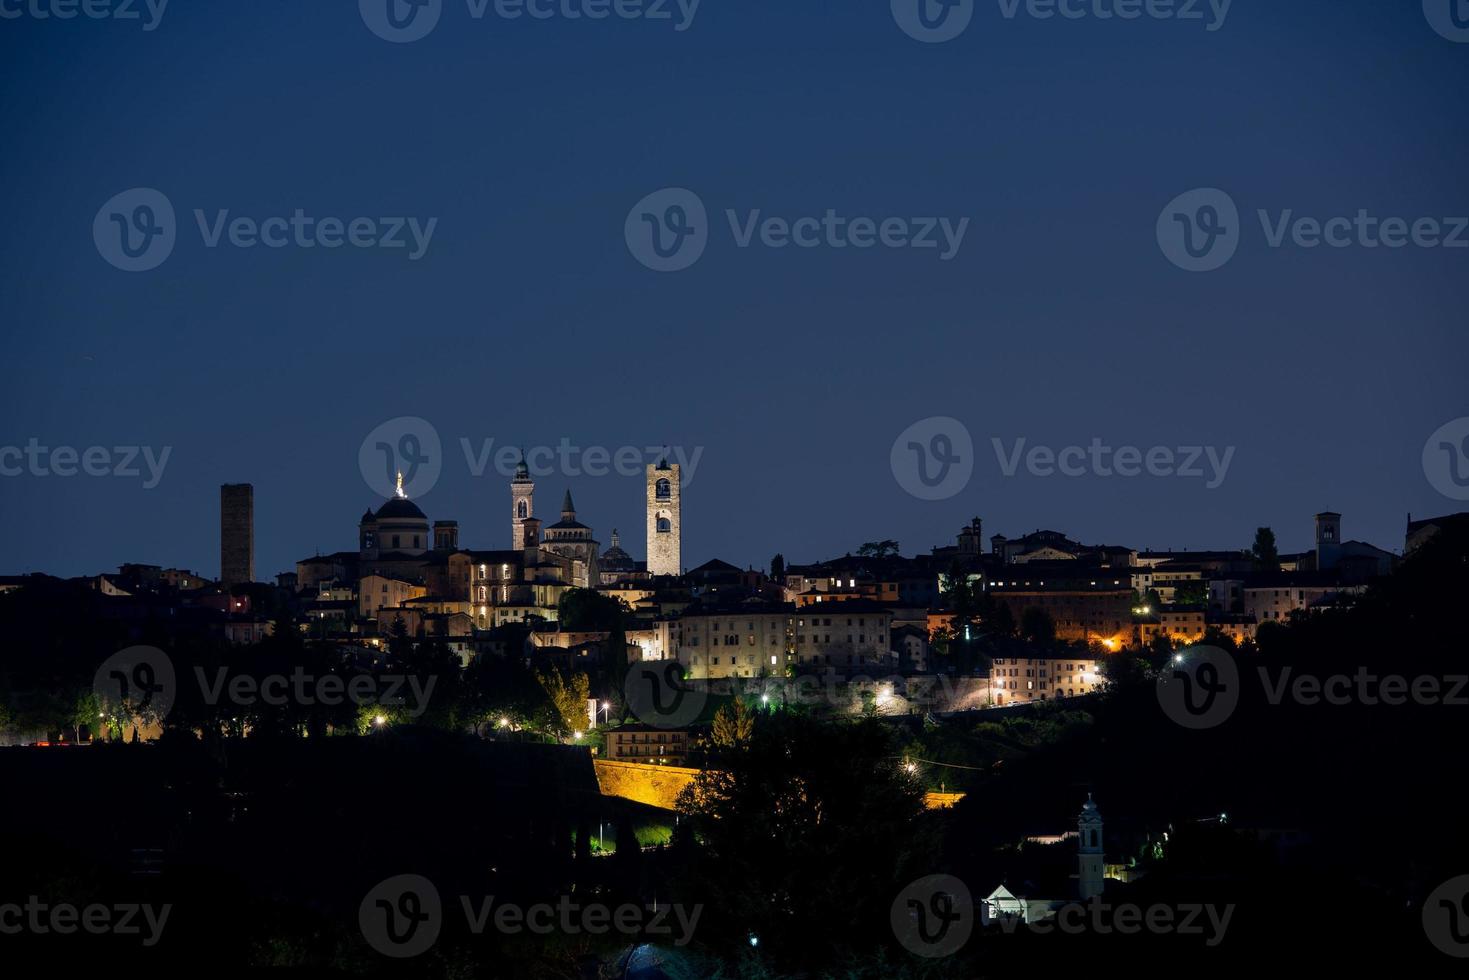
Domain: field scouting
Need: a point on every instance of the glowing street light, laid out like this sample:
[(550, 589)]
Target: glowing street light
[(379, 720)]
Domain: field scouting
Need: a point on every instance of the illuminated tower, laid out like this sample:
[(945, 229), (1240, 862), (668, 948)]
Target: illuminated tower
[(664, 529), (1093, 868), (522, 506)]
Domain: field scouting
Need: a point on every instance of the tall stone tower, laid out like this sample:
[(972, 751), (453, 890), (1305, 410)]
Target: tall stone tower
[(522, 507), (664, 527), (1093, 867), (1328, 540), (236, 533)]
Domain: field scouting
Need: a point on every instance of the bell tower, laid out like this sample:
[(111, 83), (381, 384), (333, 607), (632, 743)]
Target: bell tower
[(1093, 866), (522, 507), (664, 528)]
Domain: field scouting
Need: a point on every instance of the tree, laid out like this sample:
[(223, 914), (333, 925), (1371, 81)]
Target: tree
[(778, 567), (1037, 626), (734, 724), (1267, 558), (878, 549), (810, 831), (568, 701)]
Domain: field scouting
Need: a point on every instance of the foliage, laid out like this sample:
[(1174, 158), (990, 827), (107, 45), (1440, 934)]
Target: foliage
[(734, 725), (808, 832), (567, 709)]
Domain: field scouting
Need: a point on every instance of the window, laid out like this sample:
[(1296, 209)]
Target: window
[(663, 490), (664, 527)]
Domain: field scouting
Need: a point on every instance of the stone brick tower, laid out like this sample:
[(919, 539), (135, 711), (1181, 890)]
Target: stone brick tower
[(664, 527), (522, 507), (236, 533)]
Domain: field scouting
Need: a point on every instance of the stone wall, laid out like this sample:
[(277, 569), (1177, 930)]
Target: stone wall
[(652, 785)]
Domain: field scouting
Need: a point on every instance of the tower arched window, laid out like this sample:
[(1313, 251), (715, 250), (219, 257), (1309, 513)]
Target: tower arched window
[(664, 525), (663, 490), (520, 510)]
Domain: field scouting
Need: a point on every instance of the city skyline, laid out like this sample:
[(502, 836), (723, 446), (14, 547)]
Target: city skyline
[(1059, 318)]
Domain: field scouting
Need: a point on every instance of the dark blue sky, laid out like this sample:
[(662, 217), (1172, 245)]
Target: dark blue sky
[(529, 321)]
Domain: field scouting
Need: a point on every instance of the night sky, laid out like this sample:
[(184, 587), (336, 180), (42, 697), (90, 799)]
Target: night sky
[(527, 319)]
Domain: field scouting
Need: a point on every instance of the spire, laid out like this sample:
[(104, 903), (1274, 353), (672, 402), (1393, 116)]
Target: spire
[(399, 491), (522, 471), (615, 542), (568, 509)]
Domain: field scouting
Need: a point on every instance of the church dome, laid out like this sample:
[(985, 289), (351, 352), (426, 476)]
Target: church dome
[(400, 508)]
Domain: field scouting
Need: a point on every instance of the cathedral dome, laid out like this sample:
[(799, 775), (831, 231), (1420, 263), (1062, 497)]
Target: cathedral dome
[(400, 508)]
